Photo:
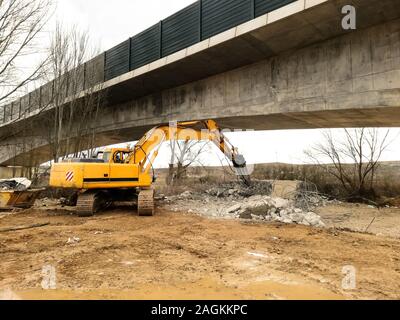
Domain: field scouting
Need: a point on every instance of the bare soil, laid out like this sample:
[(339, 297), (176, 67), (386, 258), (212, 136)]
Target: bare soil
[(184, 256), (362, 218)]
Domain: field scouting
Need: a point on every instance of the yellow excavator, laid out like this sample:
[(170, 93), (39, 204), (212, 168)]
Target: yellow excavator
[(127, 175)]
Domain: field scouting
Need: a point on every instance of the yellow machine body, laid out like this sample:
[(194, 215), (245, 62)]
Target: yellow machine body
[(82, 175)]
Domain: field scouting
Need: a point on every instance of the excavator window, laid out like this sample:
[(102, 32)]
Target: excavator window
[(125, 156), (120, 157), (106, 157)]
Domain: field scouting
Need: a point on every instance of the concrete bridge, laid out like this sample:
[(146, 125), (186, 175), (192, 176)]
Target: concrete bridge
[(291, 68)]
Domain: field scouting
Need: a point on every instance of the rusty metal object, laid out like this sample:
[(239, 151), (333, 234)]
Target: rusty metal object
[(19, 199)]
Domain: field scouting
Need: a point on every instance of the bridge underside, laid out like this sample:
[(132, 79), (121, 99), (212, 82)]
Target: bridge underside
[(376, 117), (346, 80)]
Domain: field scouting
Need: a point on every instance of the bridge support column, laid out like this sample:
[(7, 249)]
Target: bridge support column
[(14, 172)]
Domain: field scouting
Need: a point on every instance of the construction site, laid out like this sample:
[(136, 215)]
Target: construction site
[(235, 150)]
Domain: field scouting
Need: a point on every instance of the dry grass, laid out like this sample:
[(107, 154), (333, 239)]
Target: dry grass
[(386, 186)]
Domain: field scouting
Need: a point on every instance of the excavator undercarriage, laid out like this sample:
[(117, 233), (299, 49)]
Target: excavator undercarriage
[(89, 202)]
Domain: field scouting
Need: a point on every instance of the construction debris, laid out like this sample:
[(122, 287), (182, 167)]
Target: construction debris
[(234, 190), (273, 209), (15, 193), (16, 184), (242, 205)]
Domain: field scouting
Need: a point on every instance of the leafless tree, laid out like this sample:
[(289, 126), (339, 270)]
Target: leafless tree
[(353, 160), (183, 155), (70, 122), (226, 166), (21, 21)]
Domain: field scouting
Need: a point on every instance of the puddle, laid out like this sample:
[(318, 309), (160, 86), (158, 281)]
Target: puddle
[(202, 290)]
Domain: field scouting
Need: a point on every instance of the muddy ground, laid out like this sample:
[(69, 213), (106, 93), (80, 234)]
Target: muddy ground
[(178, 255)]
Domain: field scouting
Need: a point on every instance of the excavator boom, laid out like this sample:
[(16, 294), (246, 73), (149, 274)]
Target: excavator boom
[(146, 150)]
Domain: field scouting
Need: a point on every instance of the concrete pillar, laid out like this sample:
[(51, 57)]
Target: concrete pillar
[(11, 172)]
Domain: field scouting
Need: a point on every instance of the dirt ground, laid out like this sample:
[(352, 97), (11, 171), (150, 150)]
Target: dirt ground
[(362, 218), (184, 256)]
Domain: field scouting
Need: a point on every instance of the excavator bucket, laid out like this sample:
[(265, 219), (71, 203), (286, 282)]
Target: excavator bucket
[(240, 167), (18, 199), (243, 175)]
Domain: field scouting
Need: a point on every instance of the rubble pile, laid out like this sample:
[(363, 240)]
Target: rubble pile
[(16, 184), (234, 190), (258, 208), (273, 209), (309, 200), (258, 202)]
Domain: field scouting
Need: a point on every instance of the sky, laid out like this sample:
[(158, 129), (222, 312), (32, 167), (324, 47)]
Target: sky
[(111, 22)]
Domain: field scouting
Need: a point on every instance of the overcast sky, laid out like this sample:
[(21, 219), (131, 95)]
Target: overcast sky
[(111, 22)]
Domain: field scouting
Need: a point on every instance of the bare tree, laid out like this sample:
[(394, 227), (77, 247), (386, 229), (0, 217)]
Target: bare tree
[(70, 122), (21, 21), (183, 155), (353, 160)]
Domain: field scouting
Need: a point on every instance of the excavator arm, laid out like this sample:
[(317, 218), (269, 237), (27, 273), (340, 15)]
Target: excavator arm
[(146, 150)]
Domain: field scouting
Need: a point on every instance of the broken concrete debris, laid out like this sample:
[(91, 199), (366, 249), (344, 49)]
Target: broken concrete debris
[(235, 202), (273, 209), (233, 189), (16, 184)]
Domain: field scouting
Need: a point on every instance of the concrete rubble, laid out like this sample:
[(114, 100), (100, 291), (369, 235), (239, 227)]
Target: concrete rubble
[(236, 190), (15, 184), (236, 202), (266, 208)]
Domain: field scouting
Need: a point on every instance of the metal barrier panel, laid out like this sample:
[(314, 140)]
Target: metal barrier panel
[(198, 21), (94, 71), (264, 6), (117, 60), (146, 47), (15, 109), (35, 100), (7, 112), (181, 30), (2, 114), (46, 95), (221, 15), (25, 105), (76, 79)]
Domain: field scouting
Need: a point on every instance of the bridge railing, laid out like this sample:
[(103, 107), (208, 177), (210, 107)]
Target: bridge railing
[(92, 73), (195, 23)]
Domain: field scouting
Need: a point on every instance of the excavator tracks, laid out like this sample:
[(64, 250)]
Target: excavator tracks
[(87, 204), (146, 203)]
